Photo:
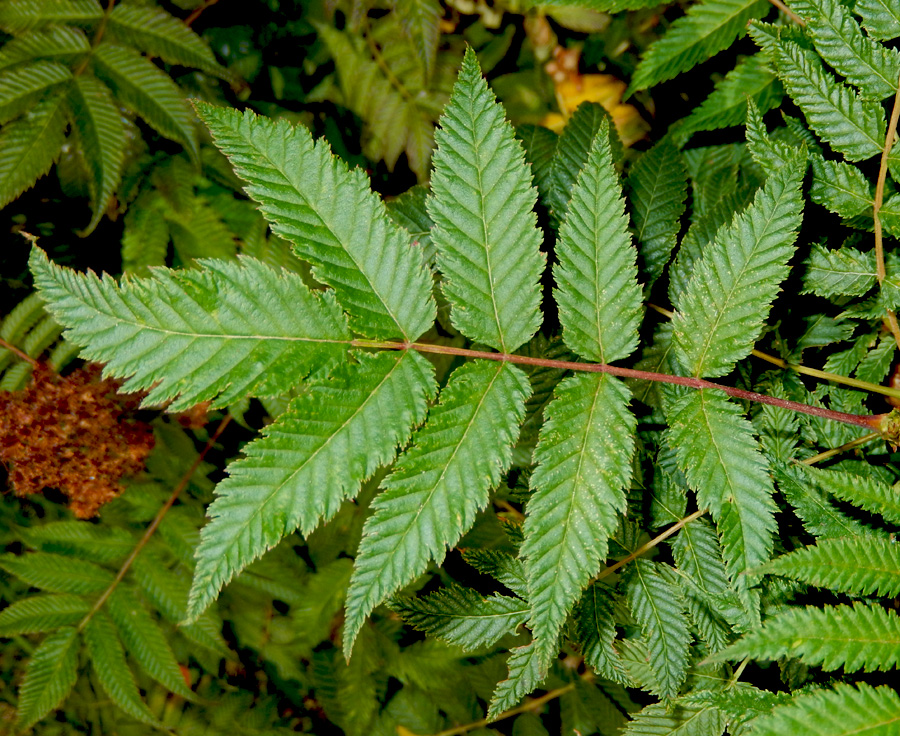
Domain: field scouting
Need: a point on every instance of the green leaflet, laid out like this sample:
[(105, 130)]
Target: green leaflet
[(867, 493), (723, 465), (23, 86), (503, 566), (753, 78), (841, 42), (482, 204), (17, 16), (681, 718), (842, 272), (722, 309), (881, 18), (853, 126), (572, 150), (863, 636), (583, 460), (50, 676), (462, 616), (108, 660), (658, 608), (333, 220), (873, 711), (540, 152), (706, 29), (839, 186), (62, 43), (596, 275), (595, 627), (57, 573), (420, 20), (657, 185), (98, 125), (29, 146), (155, 32), (149, 92), (316, 455), (40, 613), (213, 333), (525, 675), (862, 566), (438, 485), (145, 640)]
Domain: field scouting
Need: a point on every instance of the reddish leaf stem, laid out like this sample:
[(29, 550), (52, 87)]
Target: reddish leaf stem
[(18, 353), (867, 421)]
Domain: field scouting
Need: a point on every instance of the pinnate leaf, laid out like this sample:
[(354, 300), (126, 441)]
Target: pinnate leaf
[(214, 333), (596, 275), (29, 146), (463, 616), (723, 464), (658, 608), (860, 566), (101, 133), (706, 29), (863, 709), (333, 220), (39, 613), (722, 309), (354, 421), (430, 499), (49, 677), (485, 232), (108, 660), (583, 462), (863, 636)]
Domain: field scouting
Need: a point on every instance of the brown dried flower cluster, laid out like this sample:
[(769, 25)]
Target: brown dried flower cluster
[(74, 433)]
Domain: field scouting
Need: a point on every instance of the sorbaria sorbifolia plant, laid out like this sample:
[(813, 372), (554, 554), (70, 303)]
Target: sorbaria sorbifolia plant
[(490, 385)]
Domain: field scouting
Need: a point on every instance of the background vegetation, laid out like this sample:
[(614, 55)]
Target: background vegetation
[(707, 130)]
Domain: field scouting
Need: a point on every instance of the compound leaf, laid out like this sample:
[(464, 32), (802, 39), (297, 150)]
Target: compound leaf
[(862, 636), (860, 566), (873, 711)]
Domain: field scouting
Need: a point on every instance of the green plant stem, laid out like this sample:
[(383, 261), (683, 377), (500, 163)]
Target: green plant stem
[(98, 36), (647, 546), (843, 448), (880, 270), (858, 420), (18, 353), (151, 529), (524, 708), (805, 371)]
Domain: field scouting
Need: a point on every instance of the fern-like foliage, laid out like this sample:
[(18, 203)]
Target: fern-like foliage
[(74, 65), (416, 388)]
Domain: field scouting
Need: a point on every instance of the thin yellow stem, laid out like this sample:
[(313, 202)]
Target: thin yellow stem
[(524, 708), (843, 448), (788, 12), (806, 371), (98, 36), (646, 547), (880, 271), (151, 529)]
